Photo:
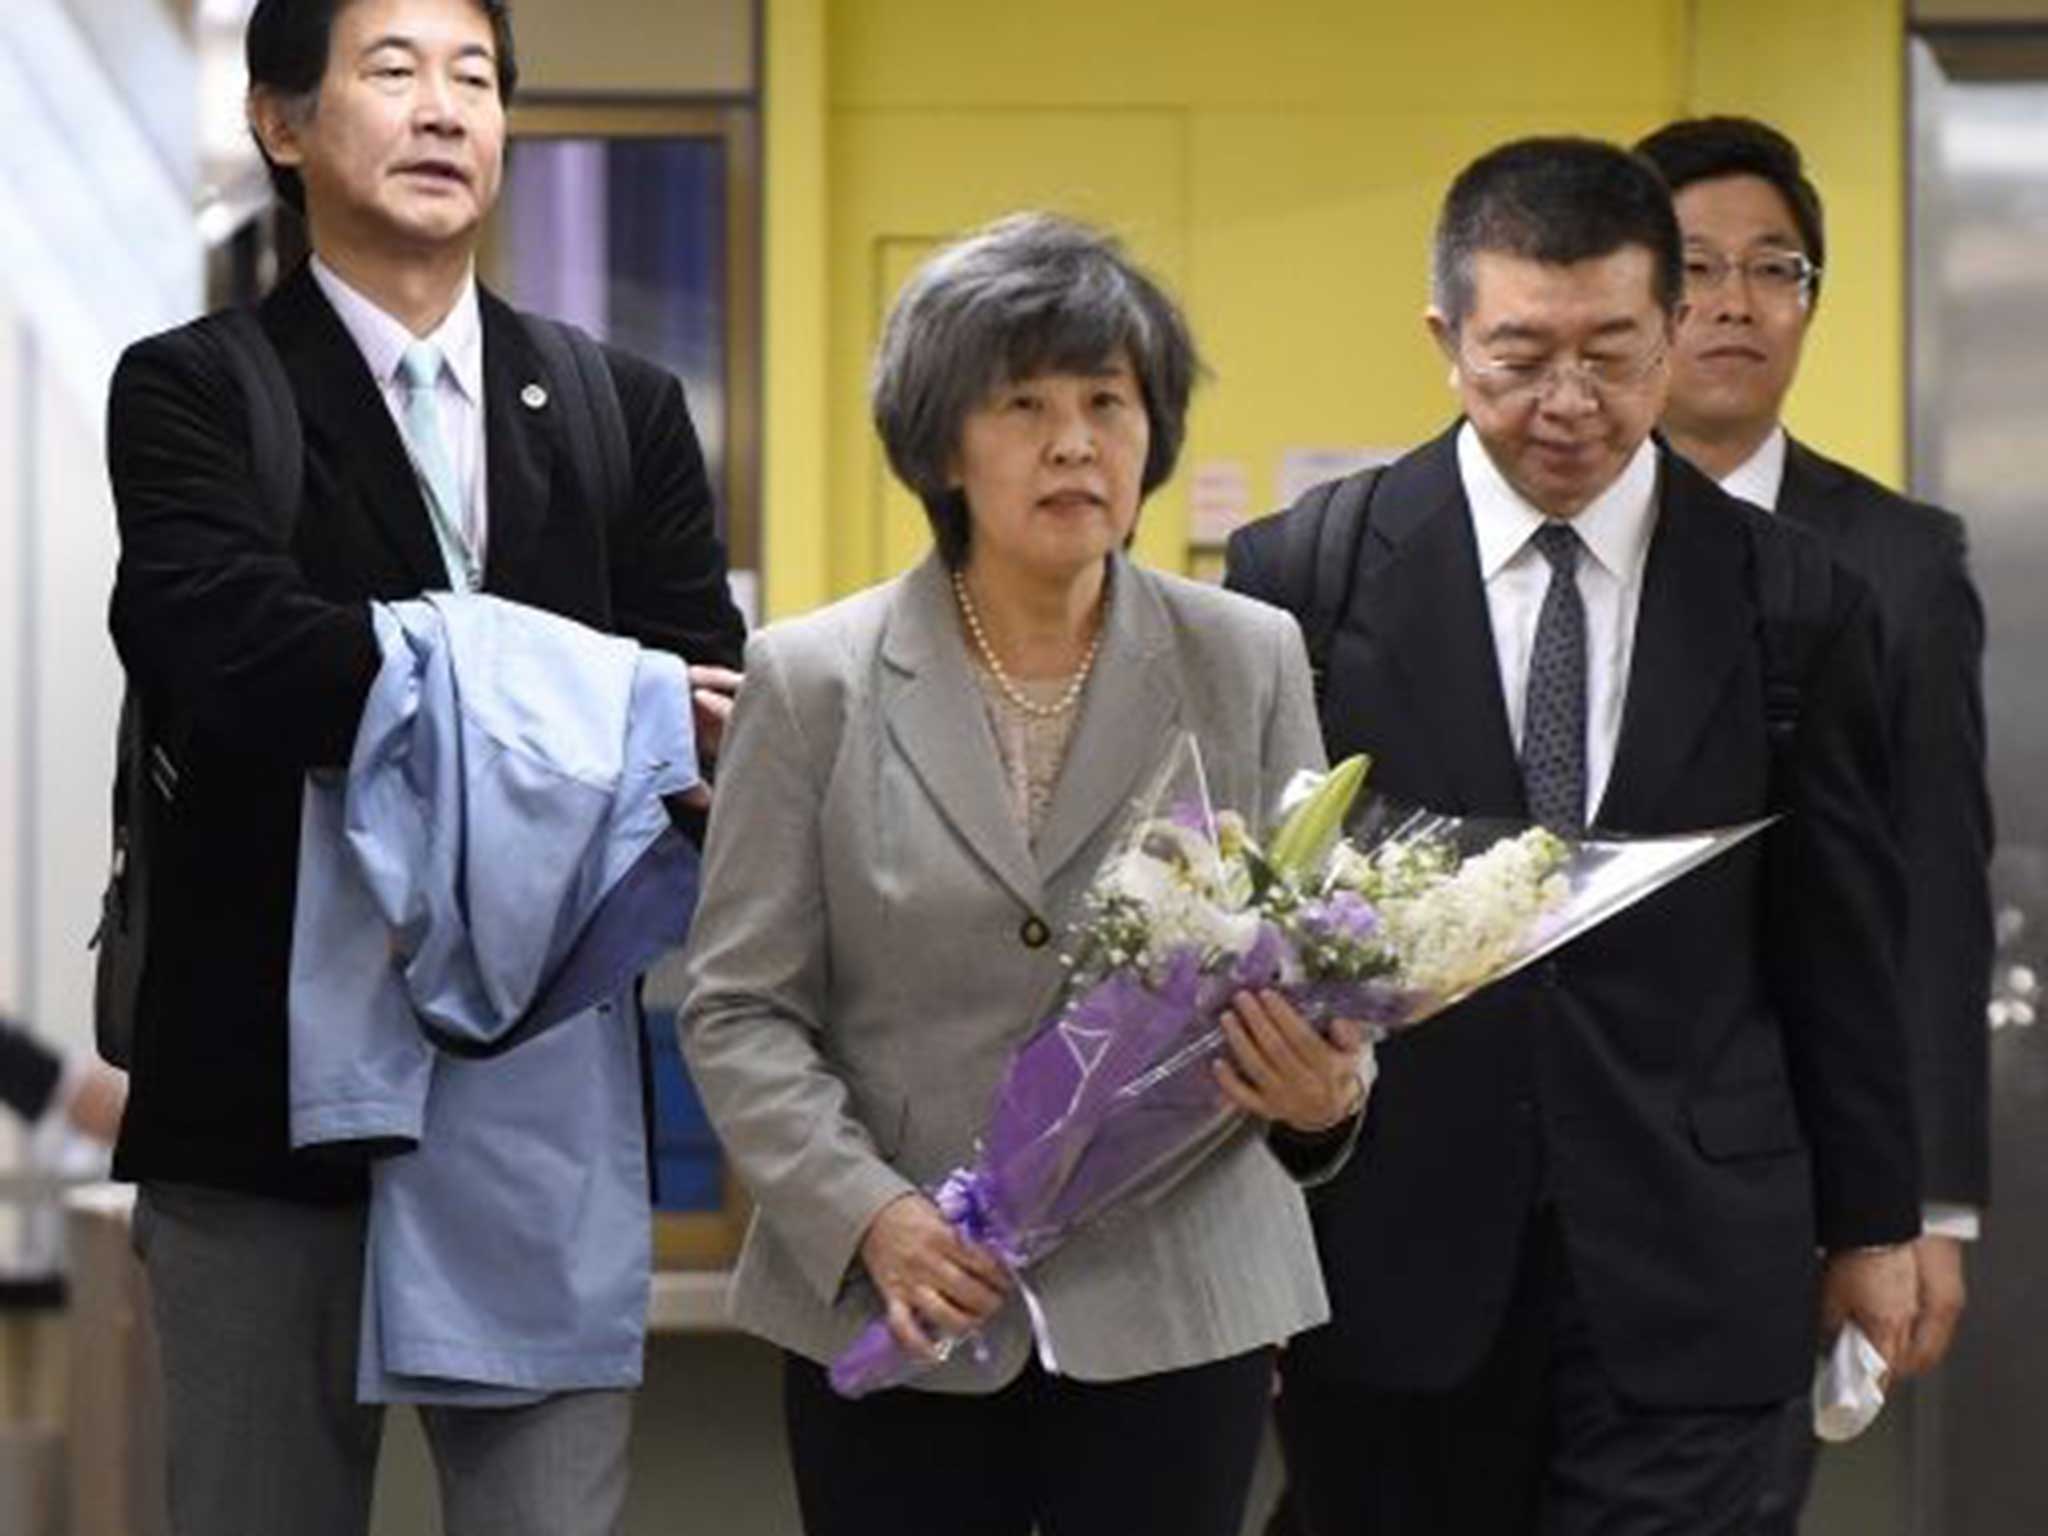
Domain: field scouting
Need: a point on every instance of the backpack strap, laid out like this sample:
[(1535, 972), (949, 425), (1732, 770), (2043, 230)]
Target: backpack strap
[(277, 458), (1319, 561), (276, 445), (592, 416), (1793, 597)]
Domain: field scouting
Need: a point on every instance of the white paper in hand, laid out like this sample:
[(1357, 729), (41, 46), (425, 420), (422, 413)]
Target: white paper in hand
[(1848, 1386)]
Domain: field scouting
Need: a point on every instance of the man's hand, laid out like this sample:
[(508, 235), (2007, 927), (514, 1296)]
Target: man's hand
[(97, 1103), (936, 1287), (1938, 1265), (1878, 1289), (711, 695)]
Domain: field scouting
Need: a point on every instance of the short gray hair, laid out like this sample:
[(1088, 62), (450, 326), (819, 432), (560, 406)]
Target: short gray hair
[(1030, 294)]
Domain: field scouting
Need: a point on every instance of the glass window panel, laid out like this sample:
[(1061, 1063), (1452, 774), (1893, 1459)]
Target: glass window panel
[(628, 238)]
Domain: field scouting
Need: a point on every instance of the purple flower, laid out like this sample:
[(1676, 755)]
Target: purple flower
[(1345, 914)]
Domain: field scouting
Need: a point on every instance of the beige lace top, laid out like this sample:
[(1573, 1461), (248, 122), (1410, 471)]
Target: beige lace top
[(1031, 749)]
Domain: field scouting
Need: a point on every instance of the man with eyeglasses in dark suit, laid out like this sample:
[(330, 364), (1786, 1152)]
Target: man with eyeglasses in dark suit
[(1578, 1259), (1754, 245)]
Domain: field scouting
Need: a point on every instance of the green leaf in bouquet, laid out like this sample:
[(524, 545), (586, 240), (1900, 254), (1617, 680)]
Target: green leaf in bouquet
[(1311, 829)]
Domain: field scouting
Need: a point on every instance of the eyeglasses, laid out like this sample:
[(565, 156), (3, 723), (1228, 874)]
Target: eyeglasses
[(1778, 274), (1601, 375)]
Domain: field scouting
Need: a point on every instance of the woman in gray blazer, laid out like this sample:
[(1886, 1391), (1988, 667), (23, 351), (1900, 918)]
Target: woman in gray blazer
[(916, 786)]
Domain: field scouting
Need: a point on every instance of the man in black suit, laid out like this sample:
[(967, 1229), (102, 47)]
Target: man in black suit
[(1579, 1256), (247, 631), (1754, 250)]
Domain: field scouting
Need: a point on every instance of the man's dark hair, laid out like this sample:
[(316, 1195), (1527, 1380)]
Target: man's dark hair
[(287, 45), (1558, 201), (1709, 148)]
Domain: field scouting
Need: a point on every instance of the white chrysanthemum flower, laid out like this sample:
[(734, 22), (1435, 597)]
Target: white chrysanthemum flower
[(1305, 782), (1226, 932), (1148, 881), (1461, 931), (1350, 870), (1189, 919)]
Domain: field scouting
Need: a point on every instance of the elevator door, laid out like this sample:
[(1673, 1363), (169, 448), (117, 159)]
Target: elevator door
[(1980, 447)]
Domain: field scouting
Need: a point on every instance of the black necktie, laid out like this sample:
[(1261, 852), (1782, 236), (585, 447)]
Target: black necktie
[(1554, 714)]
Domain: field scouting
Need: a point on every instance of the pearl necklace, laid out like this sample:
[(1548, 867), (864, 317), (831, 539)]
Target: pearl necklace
[(1009, 689)]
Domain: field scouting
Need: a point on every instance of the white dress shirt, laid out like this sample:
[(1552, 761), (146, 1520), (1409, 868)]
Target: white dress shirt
[(1615, 529), (382, 338), (1758, 480)]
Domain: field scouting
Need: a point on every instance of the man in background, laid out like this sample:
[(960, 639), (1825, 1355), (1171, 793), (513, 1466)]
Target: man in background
[(435, 458), (1755, 247)]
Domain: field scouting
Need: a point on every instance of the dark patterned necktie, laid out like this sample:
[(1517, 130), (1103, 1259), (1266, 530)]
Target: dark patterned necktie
[(1554, 714)]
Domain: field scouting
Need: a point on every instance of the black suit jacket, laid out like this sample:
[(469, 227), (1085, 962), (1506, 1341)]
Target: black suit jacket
[(257, 655), (1915, 559), (1707, 1087), (29, 1072)]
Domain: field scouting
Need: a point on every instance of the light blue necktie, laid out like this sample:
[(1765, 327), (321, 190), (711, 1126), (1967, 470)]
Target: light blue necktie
[(420, 372)]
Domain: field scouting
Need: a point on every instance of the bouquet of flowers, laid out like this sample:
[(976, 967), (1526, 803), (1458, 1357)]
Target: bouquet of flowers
[(1112, 1098)]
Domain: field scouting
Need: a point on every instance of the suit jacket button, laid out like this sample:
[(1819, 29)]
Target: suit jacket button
[(1034, 933)]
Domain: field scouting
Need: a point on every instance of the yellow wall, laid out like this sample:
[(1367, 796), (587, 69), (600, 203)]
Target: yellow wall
[(1833, 77), (637, 48), (795, 505), (1279, 166)]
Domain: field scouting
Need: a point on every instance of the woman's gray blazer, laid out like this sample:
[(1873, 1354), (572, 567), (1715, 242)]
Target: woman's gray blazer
[(862, 961)]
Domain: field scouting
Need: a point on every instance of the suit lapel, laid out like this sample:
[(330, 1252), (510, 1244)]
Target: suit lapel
[(1694, 623), (1132, 698), (935, 716), (1425, 605), (518, 444), (345, 418)]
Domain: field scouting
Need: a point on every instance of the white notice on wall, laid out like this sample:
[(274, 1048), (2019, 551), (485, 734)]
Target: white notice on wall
[(745, 587), (1219, 500)]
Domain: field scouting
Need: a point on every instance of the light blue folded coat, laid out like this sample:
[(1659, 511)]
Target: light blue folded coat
[(476, 897)]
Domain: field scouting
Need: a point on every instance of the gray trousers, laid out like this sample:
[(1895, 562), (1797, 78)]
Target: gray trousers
[(258, 1306)]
